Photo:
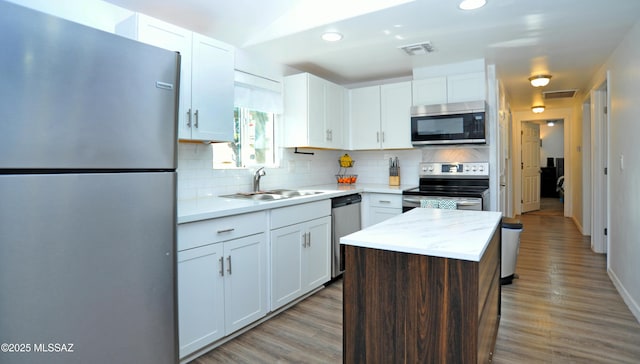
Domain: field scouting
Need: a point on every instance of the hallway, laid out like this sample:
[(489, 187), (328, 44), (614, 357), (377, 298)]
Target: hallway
[(563, 308)]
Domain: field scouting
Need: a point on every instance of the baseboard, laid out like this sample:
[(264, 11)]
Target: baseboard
[(634, 307), (578, 225)]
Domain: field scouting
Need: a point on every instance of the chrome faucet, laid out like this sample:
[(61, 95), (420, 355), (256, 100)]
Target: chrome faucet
[(256, 179)]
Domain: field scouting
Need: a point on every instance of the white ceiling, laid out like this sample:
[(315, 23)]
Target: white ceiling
[(569, 39)]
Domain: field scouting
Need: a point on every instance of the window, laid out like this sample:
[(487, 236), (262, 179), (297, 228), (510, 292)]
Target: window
[(253, 142), (258, 103)]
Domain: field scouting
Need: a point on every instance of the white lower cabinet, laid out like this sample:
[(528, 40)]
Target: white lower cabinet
[(200, 298), (300, 250), (377, 207), (222, 286)]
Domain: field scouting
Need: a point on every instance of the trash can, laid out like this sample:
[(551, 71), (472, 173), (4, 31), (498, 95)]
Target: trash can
[(511, 229)]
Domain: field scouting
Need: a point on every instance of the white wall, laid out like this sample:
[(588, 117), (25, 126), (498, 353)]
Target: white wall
[(624, 193), (552, 141)]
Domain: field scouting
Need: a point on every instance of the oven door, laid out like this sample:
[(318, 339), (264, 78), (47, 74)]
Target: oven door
[(462, 203)]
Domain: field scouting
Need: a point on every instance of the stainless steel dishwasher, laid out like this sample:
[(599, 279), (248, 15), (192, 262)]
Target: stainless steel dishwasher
[(345, 219)]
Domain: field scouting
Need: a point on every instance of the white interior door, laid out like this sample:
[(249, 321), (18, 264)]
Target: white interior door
[(530, 167)]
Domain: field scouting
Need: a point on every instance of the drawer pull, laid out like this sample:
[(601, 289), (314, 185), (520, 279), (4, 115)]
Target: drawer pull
[(226, 230), (384, 201)]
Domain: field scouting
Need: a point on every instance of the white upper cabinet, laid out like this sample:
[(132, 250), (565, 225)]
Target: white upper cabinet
[(430, 91), (380, 116), (451, 88), (313, 112), (466, 87), (206, 76), (395, 115)]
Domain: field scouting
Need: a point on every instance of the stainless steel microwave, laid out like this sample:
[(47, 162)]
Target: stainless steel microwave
[(454, 123)]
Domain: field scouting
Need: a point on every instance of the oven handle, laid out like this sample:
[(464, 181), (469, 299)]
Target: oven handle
[(413, 200), (470, 202)]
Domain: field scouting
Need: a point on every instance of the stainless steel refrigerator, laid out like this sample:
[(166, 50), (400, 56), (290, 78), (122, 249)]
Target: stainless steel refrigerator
[(87, 194)]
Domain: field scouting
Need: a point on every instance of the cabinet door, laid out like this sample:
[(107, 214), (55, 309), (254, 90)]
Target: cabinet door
[(430, 91), (334, 115), (245, 285), (200, 297), (317, 130), (365, 117), (316, 254), (379, 214), (466, 87), (286, 264), (395, 117), (212, 90), (168, 36)]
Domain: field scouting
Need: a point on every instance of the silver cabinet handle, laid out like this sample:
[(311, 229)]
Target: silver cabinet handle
[(309, 243), (229, 264), (222, 266), (304, 240), (196, 115), (189, 118), (225, 230), (384, 201), (378, 136), (383, 136)]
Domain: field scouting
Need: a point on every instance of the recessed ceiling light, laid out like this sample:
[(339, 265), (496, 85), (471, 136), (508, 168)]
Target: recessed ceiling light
[(472, 4), (540, 80), (331, 36), (537, 109)]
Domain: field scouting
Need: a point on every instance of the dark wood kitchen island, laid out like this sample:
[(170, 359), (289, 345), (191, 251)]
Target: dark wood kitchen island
[(423, 287)]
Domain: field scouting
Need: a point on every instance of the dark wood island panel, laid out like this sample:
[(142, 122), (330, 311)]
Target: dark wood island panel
[(411, 308)]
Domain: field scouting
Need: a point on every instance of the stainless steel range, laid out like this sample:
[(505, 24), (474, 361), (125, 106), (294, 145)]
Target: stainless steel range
[(467, 184)]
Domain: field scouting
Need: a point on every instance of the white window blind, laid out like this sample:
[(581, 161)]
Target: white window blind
[(257, 93)]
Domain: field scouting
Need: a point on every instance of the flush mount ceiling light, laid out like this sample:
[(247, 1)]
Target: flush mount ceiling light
[(472, 4), (540, 80), (550, 123), (537, 109), (331, 36)]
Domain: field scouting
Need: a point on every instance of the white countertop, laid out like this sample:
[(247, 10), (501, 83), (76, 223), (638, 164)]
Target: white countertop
[(456, 234), (214, 207)]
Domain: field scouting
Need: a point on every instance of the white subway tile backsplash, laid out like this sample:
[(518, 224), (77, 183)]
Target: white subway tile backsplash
[(197, 178)]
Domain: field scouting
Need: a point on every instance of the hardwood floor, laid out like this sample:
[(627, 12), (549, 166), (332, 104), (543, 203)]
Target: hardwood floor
[(562, 309)]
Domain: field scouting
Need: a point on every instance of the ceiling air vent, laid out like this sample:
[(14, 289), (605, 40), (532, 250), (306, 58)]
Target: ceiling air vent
[(564, 94), (418, 48)]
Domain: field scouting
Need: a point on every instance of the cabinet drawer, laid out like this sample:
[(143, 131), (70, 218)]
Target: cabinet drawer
[(205, 232), (385, 200), (290, 215)]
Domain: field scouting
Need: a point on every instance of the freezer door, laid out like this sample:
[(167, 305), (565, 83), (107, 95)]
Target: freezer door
[(88, 260), (78, 98)]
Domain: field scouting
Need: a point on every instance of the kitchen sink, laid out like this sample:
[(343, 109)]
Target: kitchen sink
[(271, 195)]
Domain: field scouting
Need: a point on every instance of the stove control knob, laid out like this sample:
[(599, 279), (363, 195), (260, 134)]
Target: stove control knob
[(481, 168), (430, 169), (473, 168)]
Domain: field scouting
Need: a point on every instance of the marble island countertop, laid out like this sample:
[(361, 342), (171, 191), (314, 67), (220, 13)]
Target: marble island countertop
[(456, 234), (214, 206)]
